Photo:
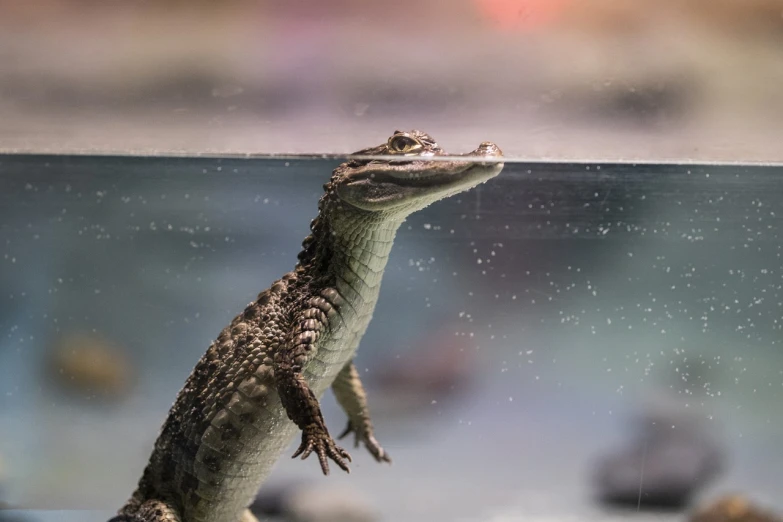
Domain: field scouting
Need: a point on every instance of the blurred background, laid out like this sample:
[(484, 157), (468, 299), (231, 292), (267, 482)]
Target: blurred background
[(560, 79), (591, 337), (566, 342)]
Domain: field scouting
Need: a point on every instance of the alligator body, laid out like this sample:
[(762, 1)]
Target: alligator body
[(260, 382)]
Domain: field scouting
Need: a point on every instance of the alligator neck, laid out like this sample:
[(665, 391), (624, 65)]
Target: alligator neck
[(348, 245)]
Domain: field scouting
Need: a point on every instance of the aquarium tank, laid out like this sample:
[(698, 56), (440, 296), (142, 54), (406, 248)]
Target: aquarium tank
[(592, 334)]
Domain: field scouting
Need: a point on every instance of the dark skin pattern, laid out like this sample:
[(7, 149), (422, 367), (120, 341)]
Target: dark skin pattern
[(226, 427)]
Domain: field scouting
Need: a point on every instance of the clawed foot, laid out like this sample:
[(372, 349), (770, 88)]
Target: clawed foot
[(369, 440), (315, 438)]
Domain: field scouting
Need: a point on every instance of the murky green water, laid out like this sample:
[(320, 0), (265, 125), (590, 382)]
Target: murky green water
[(535, 315)]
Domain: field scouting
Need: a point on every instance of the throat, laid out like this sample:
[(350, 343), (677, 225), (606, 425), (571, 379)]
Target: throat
[(349, 245), (361, 257)]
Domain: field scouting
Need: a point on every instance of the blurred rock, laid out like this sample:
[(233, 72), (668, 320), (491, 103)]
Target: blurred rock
[(4, 515), (90, 365), (300, 501), (440, 367), (732, 508), (671, 457)]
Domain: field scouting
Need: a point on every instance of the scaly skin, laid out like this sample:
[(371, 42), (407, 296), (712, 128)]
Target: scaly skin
[(271, 365)]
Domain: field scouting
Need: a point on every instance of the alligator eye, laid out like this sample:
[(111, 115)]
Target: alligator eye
[(404, 144)]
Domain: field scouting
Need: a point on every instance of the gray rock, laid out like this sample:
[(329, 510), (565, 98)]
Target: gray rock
[(672, 456)]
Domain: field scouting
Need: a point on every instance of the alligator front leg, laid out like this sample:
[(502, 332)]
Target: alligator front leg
[(300, 403), (350, 394), (302, 407)]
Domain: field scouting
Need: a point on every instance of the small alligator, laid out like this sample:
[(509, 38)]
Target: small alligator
[(232, 419)]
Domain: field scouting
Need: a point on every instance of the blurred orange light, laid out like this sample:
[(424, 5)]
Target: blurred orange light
[(520, 14)]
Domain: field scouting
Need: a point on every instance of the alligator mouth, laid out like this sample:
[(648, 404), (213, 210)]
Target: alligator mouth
[(422, 171), (433, 178)]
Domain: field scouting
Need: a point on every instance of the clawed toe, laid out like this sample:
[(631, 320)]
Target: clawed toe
[(373, 447), (318, 441)]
